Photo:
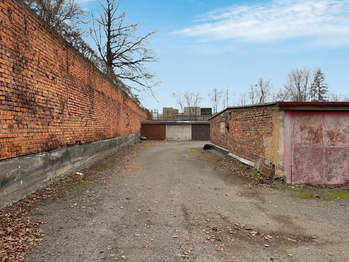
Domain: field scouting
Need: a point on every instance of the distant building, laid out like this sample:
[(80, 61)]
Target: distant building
[(155, 114), (192, 111), (206, 111), (189, 114), (169, 113)]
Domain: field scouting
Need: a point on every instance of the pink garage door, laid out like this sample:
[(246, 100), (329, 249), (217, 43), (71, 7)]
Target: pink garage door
[(318, 147)]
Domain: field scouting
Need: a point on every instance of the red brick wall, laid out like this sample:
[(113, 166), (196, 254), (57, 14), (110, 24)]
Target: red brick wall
[(50, 96), (243, 131)]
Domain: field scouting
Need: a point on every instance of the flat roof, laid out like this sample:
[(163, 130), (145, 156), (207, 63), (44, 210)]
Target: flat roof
[(317, 106), (162, 122)]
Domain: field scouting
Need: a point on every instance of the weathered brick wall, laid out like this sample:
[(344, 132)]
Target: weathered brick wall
[(247, 132), (50, 96)]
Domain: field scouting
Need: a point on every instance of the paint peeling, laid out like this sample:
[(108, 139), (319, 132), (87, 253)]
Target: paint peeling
[(320, 152)]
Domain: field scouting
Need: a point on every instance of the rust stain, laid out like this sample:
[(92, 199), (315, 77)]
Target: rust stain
[(312, 135), (346, 130), (335, 136)]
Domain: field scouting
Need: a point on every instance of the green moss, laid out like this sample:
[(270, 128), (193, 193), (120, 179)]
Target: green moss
[(195, 152), (76, 185), (209, 161), (204, 156), (295, 188), (337, 195), (305, 196), (253, 173), (104, 167)]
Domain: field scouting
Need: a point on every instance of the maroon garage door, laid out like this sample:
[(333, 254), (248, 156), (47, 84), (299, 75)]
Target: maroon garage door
[(200, 132), (154, 132)]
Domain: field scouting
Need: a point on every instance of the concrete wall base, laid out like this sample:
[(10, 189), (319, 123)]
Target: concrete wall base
[(226, 151), (21, 176)]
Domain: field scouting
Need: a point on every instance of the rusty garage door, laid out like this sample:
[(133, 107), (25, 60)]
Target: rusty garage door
[(154, 131), (319, 147), (200, 132)]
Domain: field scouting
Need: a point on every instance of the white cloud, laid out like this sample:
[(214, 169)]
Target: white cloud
[(326, 20)]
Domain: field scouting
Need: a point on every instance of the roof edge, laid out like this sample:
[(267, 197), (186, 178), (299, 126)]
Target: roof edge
[(296, 106)]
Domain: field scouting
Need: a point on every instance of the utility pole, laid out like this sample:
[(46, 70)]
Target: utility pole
[(227, 97)]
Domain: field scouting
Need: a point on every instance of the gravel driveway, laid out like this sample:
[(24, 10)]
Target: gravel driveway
[(172, 202)]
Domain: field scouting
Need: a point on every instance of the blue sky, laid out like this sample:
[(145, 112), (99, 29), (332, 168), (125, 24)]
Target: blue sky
[(231, 44)]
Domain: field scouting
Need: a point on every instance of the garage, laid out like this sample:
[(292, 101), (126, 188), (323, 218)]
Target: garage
[(296, 142), (154, 131), (176, 130), (201, 132)]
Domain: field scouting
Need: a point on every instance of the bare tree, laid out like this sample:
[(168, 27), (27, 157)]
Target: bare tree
[(215, 97), (121, 49), (65, 16), (298, 84), (280, 95), (179, 98), (338, 98), (264, 88), (260, 92), (242, 99), (319, 88), (193, 100)]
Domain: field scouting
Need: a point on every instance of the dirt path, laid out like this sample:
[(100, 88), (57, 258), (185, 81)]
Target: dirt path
[(172, 202)]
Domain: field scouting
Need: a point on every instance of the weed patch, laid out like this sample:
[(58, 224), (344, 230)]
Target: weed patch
[(253, 173)]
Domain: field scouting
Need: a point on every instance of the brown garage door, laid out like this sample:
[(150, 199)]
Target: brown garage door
[(154, 132), (200, 132)]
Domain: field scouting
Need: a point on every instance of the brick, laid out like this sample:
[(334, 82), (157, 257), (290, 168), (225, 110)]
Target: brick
[(81, 106), (243, 131)]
